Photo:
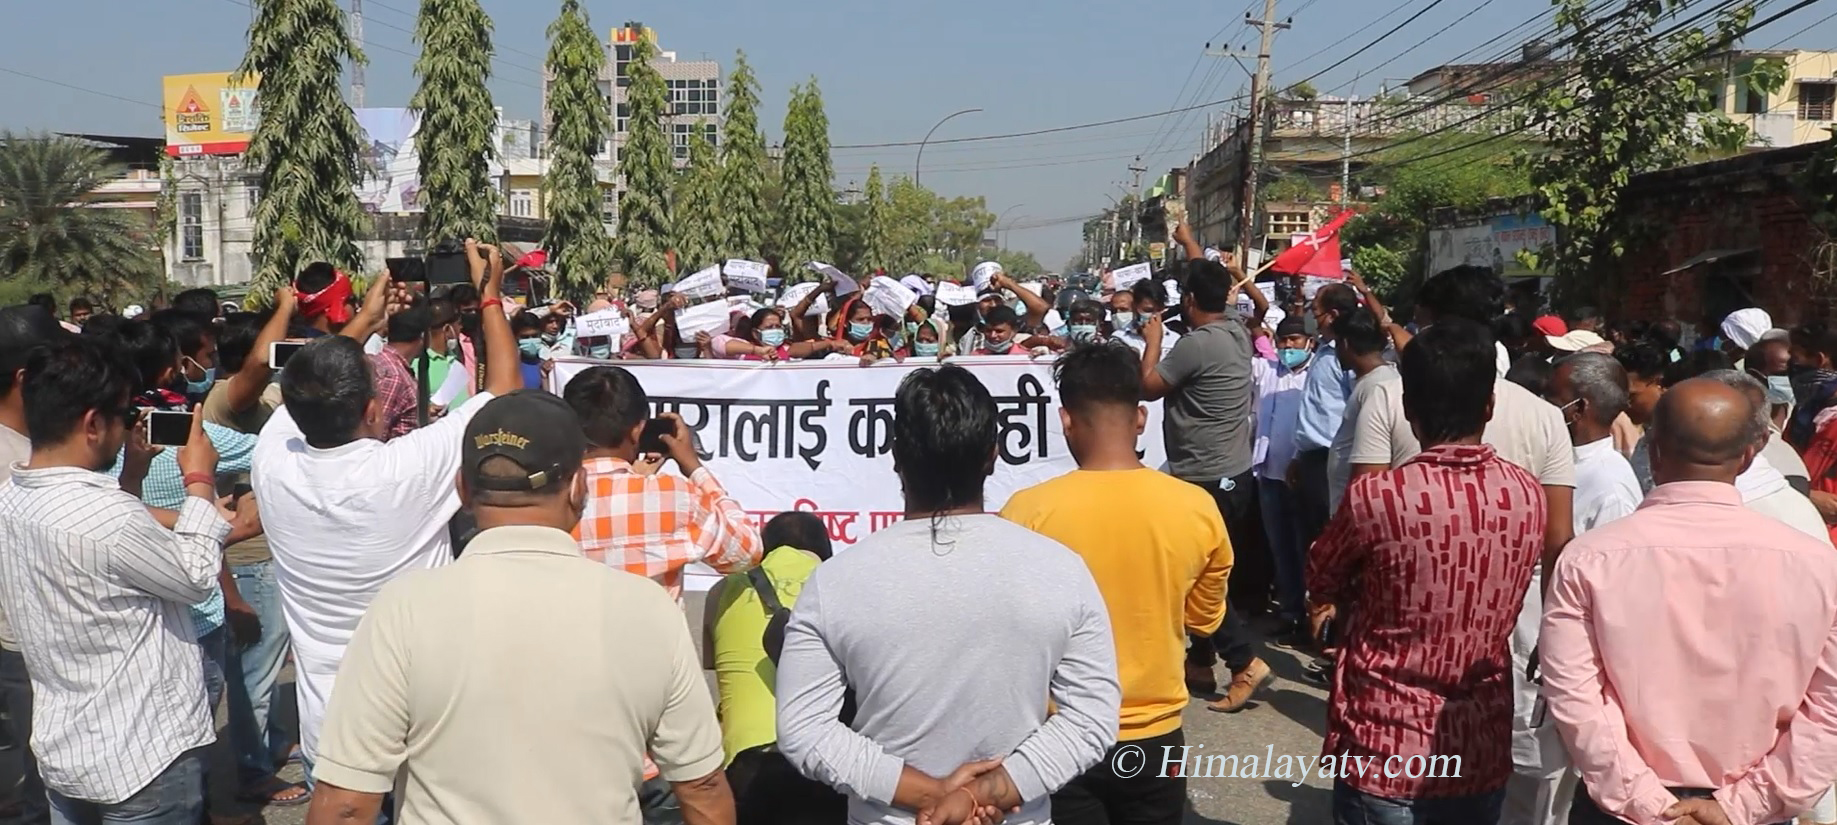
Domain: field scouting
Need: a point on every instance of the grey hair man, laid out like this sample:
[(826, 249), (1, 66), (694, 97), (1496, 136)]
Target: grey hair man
[(1764, 489)]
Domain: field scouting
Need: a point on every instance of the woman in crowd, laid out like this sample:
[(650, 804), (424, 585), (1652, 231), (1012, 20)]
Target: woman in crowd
[(763, 336)]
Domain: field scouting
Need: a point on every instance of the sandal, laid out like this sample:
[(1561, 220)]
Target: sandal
[(274, 791)]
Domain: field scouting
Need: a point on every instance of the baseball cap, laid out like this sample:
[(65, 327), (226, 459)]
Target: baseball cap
[(1550, 326), (1576, 341), (1290, 326), (537, 431)]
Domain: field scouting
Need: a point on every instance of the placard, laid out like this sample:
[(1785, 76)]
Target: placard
[(704, 284), (889, 297), (747, 275), (1173, 291), (794, 295), (1131, 275), (603, 324), (844, 284), (955, 295), (984, 274), (711, 317)]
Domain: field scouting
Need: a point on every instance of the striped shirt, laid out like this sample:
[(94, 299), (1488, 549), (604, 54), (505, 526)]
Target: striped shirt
[(99, 591), (657, 525)]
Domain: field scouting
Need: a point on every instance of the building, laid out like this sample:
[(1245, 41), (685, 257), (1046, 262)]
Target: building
[(695, 103), (1479, 83), (1800, 112), (137, 188)]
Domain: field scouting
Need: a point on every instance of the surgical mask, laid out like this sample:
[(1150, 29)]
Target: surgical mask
[(1083, 333), (1292, 357), (858, 331), (772, 337), (1122, 320), (896, 340), (599, 351), (1779, 389), (530, 347), (999, 349), (927, 349), (203, 385), (550, 338)]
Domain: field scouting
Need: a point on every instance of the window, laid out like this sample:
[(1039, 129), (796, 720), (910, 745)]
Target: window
[(1816, 100), (621, 53), (191, 226), (522, 203), (252, 192), (621, 125), (609, 206), (712, 134), (1284, 224), (624, 110)]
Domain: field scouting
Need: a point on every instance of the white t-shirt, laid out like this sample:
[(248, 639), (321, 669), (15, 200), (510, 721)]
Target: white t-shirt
[(1133, 337), (345, 521), (1340, 456), (1525, 430), (1605, 487), (1764, 490)]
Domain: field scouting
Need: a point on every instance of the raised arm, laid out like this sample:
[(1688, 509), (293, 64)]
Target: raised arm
[(371, 317), (503, 373), (1036, 306), (246, 386)]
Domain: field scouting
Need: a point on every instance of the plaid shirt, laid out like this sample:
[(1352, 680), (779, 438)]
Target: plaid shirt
[(395, 392), (657, 525)]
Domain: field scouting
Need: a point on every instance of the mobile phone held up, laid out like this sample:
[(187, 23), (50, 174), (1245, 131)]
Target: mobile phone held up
[(168, 428), (651, 441), (280, 351)]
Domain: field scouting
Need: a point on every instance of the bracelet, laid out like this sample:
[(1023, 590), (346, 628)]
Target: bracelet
[(977, 803), (200, 478), (489, 303)]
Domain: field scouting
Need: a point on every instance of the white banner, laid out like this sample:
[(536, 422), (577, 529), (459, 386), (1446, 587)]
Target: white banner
[(818, 436)]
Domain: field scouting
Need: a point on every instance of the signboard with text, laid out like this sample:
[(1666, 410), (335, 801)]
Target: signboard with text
[(206, 114)]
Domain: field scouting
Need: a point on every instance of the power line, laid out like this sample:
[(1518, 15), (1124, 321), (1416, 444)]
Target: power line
[(74, 87), (411, 15), (1054, 130)]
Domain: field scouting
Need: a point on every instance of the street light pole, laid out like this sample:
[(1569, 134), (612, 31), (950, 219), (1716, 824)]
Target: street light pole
[(919, 161), (1004, 213), (1001, 235)]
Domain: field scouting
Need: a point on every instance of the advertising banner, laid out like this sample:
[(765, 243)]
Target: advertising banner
[(206, 114), (1494, 244), (818, 436)]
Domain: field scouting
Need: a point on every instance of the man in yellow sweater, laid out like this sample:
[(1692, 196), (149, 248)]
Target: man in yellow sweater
[(1162, 574)]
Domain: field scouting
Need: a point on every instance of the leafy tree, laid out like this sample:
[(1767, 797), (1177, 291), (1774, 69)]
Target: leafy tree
[(743, 165), (1302, 91), (646, 164), (695, 203), (1294, 188), (876, 245), (51, 237), (579, 123), (1643, 98), (1017, 263), (307, 143), (807, 214), (929, 233), (457, 120)]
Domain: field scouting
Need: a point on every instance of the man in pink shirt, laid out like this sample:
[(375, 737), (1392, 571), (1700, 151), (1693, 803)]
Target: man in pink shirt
[(1688, 652)]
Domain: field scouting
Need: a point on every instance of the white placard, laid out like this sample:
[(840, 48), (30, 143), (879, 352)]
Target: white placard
[(703, 284), (747, 275), (452, 387), (795, 295), (711, 317), (889, 297), (955, 295), (1173, 292), (1034, 287), (1131, 275), (844, 284), (603, 324), (817, 435), (983, 274)]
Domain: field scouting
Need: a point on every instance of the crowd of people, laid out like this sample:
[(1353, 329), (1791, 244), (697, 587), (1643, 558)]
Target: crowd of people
[(1588, 567)]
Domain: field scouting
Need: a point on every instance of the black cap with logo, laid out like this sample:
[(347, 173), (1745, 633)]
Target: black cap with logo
[(537, 431)]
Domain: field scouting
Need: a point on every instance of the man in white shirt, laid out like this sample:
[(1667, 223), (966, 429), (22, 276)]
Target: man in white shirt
[(98, 591), (1150, 300), (1764, 489), (1279, 386), (1590, 391), (347, 512), (22, 329), (1360, 340)]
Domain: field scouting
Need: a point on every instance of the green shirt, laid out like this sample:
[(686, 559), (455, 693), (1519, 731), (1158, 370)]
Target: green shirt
[(437, 367)]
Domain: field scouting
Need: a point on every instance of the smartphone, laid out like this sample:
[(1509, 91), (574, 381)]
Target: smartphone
[(168, 428), (280, 351), (654, 431), (408, 270)]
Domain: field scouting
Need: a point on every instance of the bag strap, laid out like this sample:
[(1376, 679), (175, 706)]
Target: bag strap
[(768, 595)]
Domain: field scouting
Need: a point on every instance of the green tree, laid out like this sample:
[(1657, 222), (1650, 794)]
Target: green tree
[(807, 214), (696, 206), (644, 240), (743, 165), (457, 120), (52, 238), (1017, 263), (1643, 99), (929, 233), (307, 144), (579, 123), (876, 243)]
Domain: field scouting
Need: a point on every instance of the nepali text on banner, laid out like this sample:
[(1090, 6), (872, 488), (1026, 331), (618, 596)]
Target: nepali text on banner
[(818, 436)]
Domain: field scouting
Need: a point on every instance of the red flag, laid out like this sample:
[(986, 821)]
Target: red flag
[(532, 260), (1316, 254)]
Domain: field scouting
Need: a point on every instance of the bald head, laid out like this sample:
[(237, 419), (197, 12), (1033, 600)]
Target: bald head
[(1703, 430)]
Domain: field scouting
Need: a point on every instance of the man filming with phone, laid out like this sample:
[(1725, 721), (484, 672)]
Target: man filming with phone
[(646, 521)]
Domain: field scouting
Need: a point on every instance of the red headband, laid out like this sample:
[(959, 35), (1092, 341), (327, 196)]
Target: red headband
[(333, 302)]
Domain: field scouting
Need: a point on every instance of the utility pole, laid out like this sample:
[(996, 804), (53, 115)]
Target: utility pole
[(1259, 94), (1136, 187), (1345, 158), (357, 66)]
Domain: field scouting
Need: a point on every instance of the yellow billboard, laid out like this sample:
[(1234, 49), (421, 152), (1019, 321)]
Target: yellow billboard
[(206, 114)]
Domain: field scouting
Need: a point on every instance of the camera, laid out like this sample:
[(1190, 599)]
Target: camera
[(447, 264)]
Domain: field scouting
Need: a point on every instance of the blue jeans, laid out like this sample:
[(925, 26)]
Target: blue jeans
[(254, 731), (1288, 552), (175, 797), (1354, 807), (384, 815)]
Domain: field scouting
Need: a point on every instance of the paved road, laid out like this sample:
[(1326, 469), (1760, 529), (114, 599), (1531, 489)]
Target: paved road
[(1287, 719)]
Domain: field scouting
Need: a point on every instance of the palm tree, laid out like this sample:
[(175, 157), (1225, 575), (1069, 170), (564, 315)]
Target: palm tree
[(51, 237)]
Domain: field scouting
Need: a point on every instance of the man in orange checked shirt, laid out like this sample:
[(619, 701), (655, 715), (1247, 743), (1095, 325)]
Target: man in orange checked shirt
[(646, 522)]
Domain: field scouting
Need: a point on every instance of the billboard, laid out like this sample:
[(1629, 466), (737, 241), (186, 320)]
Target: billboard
[(392, 165), (206, 114), (1493, 243)]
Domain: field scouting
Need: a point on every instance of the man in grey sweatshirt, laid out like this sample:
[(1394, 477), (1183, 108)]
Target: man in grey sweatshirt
[(952, 629)]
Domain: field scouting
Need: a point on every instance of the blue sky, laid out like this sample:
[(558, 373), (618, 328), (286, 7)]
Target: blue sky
[(888, 71)]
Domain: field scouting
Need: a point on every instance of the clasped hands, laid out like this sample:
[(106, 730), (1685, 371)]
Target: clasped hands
[(976, 793)]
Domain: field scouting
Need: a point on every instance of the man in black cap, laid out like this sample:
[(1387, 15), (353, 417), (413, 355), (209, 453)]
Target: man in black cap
[(584, 667)]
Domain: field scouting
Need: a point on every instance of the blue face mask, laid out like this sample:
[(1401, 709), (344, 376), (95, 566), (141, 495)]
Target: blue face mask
[(1779, 389), (1122, 320), (896, 340), (772, 337), (1293, 358), (927, 349), (1083, 333), (858, 331), (197, 389), (531, 347), (599, 351)]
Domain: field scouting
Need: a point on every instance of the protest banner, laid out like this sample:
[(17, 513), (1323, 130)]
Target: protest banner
[(602, 324), (1129, 276), (818, 436), (955, 295), (747, 275), (704, 284)]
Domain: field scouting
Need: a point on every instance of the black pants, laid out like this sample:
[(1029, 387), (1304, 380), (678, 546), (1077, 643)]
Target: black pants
[(1100, 796), (1310, 493), (768, 790), (1233, 642), (1584, 811), (16, 692)]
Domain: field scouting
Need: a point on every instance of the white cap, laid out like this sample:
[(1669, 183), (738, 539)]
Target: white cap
[(1576, 341), (133, 311), (1743, 327)]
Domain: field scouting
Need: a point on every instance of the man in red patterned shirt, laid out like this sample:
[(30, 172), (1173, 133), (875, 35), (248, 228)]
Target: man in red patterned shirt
[(1425, 568)]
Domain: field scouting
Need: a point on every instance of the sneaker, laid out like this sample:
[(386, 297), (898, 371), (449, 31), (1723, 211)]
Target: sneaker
[(1244, 684), (1200, 680), (1293, 636)]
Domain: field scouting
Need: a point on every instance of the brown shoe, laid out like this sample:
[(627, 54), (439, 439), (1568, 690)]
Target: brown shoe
[(1244, 684), (1200, 681)]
